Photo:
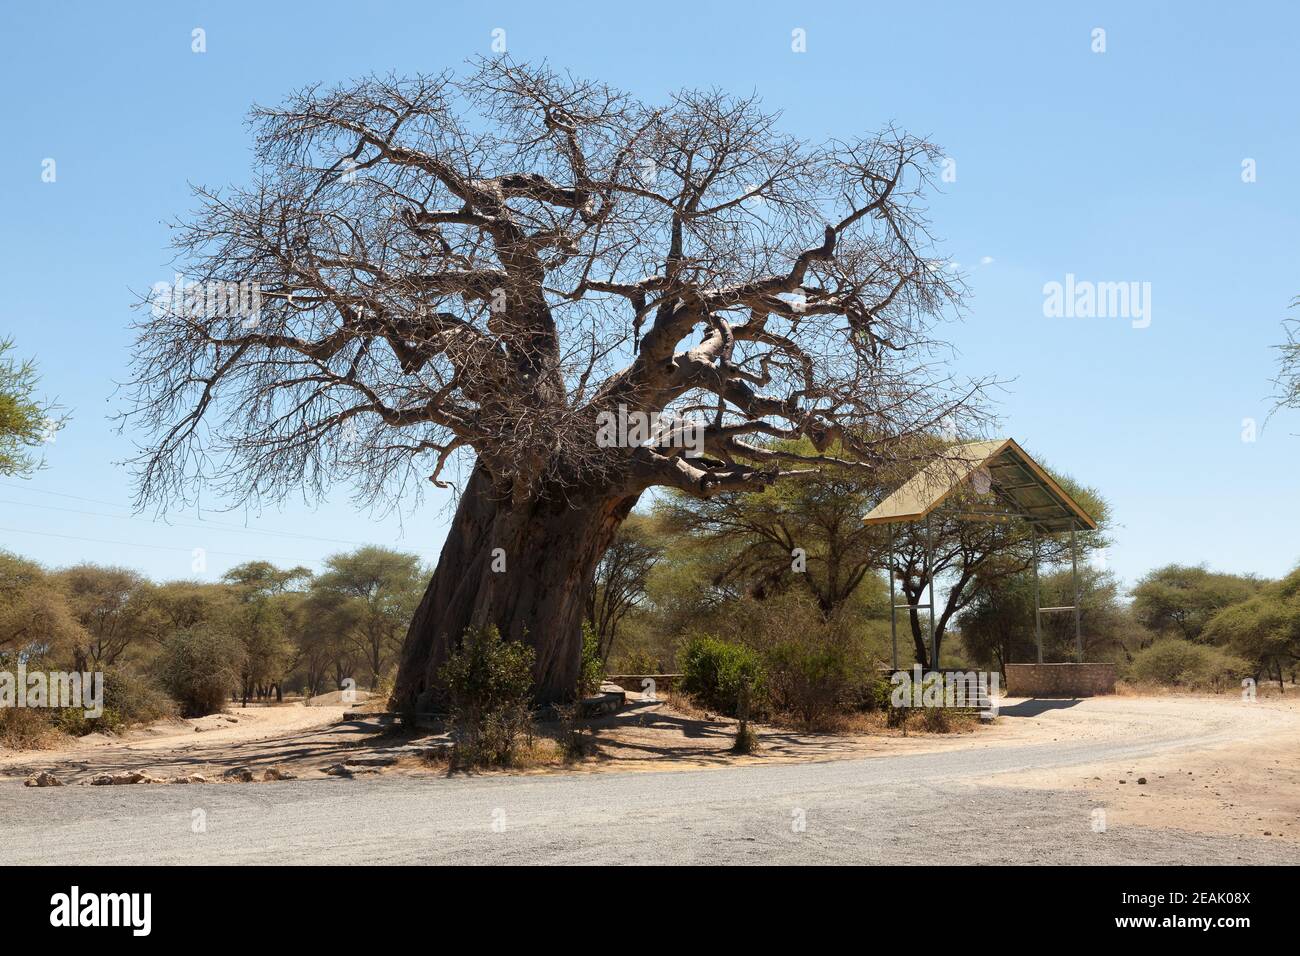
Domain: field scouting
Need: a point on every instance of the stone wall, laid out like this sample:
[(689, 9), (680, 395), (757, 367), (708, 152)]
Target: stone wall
[(632, 683), (1060, 680)]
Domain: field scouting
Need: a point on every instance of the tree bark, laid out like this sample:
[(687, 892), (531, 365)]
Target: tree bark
[(527, 569)]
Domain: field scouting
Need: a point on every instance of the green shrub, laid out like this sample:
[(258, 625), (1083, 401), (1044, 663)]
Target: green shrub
[(635, 662), (591, 669), (714, 670), (1179, 663), (488, 684), (199, 668), (874, 693), (128, 700), (810, 680)]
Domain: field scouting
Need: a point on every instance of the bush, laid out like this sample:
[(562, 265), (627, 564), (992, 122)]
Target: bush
[(636, 662), (591, 669), (488, 684), (714, 670), (128, 700), (1180, 663), (199, 667), (28, 728), (811, 680)]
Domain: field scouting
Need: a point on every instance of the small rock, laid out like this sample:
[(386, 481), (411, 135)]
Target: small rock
[(121, 779), (1123, 781), (340, 770), (190, 778), (43, 779), (240, 774), (1142, 780), (275, 773)]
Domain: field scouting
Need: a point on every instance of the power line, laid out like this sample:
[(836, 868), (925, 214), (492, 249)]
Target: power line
[(204, 524), (217, 528), (140, 544)]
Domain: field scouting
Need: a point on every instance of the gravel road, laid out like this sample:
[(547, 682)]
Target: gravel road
[(943, 807)]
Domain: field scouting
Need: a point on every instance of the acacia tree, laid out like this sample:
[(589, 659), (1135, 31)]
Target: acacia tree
[(807, 534), (112, 606), (385, 586), (1181, 599), (474, 269), (620, 580), (25, 421)]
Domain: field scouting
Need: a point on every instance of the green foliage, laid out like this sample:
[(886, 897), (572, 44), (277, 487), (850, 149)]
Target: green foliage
[(112, 606), (128, 700), (744, 544), (35, 619), (488, 683), (997, 627), (384, 587), (293, 630), (24, 420), (1180, 600), (619, 585), (199, 668), (591, 667), (1265, 629), (811, 679), (635, 662), (714, 670), (1181, 663)]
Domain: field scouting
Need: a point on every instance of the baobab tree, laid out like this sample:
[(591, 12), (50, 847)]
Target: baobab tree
[(485, 271)]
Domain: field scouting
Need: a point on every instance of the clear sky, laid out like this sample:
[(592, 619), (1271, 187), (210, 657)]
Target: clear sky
[(1115, 166)]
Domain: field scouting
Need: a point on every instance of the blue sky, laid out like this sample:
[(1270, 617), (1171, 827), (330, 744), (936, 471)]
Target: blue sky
[(1117, 166)]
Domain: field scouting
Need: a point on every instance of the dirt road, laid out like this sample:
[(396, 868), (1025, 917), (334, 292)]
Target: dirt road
[(1040, 787)]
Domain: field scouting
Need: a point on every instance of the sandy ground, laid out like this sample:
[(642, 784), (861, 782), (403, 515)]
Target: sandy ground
[(307, 741), (1222, 786), (1213, 765), (208, 745), (1239, 775)]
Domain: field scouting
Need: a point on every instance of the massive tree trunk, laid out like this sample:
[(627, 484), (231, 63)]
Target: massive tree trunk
[(534, 588)]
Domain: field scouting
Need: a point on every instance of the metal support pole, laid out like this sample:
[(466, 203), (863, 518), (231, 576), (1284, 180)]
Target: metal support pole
[(929, 574), (893, 611), (1038, 621), (1074, 560)]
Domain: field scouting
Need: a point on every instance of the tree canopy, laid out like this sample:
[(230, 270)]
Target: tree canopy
[(1181, 599), (25, 421)]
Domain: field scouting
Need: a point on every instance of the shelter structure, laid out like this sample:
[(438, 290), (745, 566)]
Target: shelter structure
[(993, 480)]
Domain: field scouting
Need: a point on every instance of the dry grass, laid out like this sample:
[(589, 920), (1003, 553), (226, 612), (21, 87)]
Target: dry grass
[(539, 753), (851, 723), (23, 728), (1265, 690)]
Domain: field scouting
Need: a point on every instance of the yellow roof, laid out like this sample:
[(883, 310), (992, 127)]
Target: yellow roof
[(1000, 467)]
